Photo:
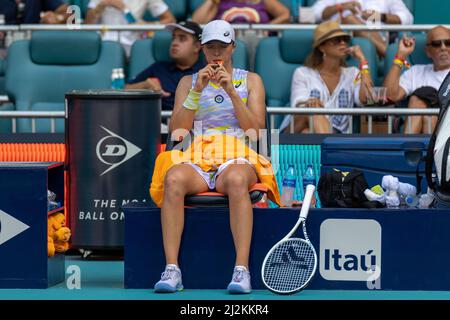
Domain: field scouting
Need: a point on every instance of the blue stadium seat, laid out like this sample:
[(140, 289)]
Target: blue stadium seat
[(417, 57), (146, 52), (41, 70), (179, 9), (431, 12), (277, 58)]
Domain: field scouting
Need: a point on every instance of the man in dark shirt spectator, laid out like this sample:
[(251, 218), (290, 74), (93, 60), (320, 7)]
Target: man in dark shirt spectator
[(163, 75), (34, 11)]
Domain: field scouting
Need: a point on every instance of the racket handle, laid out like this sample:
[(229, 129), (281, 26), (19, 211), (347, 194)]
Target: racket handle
[(307, 201)]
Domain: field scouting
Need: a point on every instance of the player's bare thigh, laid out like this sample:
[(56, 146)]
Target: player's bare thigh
[(186, 177)]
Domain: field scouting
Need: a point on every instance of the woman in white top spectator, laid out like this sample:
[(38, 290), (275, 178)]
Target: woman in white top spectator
[(365, 12), (120, 12), (325, 82)]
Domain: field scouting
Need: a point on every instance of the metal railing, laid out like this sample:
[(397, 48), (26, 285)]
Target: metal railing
[(33, 115), (272, 111), (263, 27)]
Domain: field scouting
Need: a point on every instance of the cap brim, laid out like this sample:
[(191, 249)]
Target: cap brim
[(332, 35), (216, 38), (172, 26)]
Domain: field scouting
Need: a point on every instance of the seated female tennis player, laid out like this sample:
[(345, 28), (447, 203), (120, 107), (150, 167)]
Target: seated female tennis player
[(220, 105)]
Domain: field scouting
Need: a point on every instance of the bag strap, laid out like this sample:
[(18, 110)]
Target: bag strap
[(429, 158)]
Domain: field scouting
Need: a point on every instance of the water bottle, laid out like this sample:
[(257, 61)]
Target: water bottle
[(121, 78), (309, 177), (289, 182), (411, 200), (117, 79), (114, 79)]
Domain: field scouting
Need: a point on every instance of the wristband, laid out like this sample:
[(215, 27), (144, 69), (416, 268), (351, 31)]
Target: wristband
[(364, 65), (401, 62), (192, 100)]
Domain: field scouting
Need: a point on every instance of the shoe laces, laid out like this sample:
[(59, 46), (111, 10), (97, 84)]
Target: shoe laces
[(169, 273), (238, 275)]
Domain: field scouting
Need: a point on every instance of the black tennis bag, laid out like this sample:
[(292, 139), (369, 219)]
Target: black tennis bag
[(339, 190), (438, 147)]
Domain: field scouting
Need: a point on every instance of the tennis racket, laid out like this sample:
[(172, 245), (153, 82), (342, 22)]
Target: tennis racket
[(291, 263)]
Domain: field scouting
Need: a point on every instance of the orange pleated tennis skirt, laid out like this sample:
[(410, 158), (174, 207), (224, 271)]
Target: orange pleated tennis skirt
[(209, 152)]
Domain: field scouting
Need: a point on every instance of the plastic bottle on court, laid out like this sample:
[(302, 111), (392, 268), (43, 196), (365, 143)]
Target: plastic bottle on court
[(309, 177), (289, 182), (411, 200)]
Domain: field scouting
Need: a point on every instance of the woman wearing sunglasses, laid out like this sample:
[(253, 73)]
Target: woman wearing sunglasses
[(325, 82), (420, 83)]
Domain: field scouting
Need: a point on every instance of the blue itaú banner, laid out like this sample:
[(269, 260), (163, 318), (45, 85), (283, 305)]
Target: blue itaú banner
[(358, 249)]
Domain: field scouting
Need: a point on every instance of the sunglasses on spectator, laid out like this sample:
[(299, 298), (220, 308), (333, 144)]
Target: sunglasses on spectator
[(438, 43), (338, 40)]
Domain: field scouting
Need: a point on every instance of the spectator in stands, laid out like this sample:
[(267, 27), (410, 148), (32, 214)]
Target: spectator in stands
[(365, 12), (164, 76), (221, 106), (242, 11), (420, 83), (325, 82), (121, 12), (34, 11)]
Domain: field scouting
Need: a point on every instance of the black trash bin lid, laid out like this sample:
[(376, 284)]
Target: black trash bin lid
[(113, 94)]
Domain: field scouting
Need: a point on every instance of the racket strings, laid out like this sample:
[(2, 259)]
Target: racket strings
[(290, 266)]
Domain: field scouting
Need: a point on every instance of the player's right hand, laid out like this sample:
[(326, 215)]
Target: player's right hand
[(204, 76)]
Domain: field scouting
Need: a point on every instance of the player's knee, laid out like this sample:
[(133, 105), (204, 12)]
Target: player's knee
[(416, 102), (236, 183), (174, 182)]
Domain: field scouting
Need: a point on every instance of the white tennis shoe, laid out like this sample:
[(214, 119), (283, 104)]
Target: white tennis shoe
[(240, 282), (170, 280)]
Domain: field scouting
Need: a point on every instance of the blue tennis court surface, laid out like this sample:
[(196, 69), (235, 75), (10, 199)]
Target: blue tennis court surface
[(103, 280)]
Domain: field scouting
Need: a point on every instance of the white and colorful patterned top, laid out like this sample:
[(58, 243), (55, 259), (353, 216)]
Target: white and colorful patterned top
[(216, 113)]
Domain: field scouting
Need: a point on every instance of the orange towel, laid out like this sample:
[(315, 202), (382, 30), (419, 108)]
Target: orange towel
[(209, 152)]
